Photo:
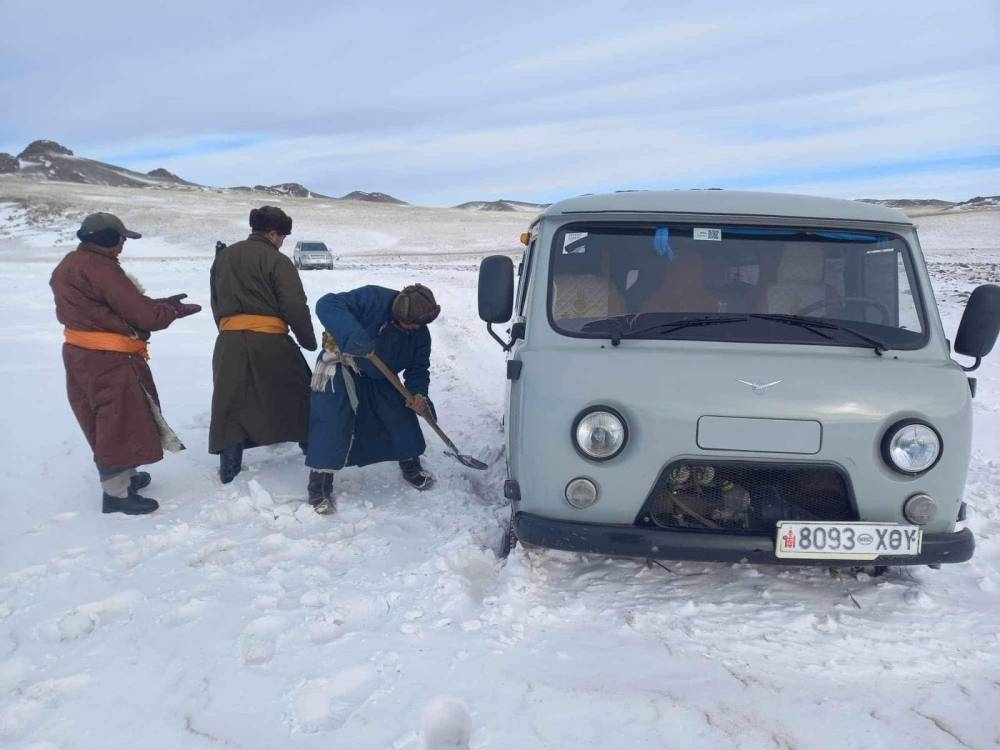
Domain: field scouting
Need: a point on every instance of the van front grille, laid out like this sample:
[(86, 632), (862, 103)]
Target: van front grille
[(735, 496)]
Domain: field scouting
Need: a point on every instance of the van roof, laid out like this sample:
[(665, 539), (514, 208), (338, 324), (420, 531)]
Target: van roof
[(738, 202)]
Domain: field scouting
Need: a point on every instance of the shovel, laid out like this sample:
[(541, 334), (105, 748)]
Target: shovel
[(472, 463)]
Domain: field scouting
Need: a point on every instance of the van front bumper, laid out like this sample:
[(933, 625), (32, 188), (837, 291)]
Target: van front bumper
[(663, 544)]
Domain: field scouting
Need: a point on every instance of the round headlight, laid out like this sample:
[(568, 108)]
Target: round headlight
[(600, 433), (911, 447), (581, 493), (920, 509)]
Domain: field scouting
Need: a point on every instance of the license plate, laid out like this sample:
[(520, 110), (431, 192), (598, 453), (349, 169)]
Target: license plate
[(852, 541)]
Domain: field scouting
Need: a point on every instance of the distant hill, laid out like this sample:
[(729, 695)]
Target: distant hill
[(981, 201), (163, 174), (48, 160), (501, 205), (283, 190), (926, 206), (909, 203), (360, 195)]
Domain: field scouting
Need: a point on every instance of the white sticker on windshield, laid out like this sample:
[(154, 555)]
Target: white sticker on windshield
[(705, 233)]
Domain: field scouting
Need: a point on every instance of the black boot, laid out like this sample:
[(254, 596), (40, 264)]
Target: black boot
[(133, 505), (320, 490), (415, 474), (139, 480), (230, 463)]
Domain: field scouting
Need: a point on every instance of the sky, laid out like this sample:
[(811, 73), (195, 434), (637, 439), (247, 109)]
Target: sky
[(443, 102)]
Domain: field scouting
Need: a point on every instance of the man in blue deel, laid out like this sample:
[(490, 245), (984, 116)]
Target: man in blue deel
[(357, 417)]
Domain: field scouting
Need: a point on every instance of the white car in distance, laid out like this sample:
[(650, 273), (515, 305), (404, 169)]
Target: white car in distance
[(312, 254)]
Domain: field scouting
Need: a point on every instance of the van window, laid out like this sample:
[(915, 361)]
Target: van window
[(764, 280)]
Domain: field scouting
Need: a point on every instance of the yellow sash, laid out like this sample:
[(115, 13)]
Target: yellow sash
[(106, 342), (257, 323)]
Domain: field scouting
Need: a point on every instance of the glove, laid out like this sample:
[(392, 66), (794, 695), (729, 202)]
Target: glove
[(172, 300), (184, 309)]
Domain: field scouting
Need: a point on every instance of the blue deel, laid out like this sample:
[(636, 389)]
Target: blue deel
[(383, 429)]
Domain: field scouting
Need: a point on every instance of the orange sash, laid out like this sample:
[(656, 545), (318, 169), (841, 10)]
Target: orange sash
[(107, 342), (257, 323)]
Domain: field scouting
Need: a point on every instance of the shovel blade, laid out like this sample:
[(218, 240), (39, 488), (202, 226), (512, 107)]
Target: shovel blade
[(472, 463)]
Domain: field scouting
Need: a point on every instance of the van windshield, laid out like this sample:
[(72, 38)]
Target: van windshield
[(735, 283)]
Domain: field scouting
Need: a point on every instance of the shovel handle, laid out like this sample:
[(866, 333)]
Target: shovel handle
[(394, 379)]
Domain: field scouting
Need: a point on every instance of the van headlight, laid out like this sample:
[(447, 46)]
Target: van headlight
[(911, 446), (600, 433)]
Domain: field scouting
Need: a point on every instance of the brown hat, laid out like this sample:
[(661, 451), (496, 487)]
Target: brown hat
[(270, 218), (415, 305)]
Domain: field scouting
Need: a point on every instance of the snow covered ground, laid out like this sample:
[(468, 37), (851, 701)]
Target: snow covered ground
[(237, 618)]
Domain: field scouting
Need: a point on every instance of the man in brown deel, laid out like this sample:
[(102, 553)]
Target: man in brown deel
[(108, 321), (261, 379)]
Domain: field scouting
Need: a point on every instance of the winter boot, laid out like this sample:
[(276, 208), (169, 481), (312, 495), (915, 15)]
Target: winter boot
[(321, 492), (133, 505), (140, 480), (230, 463), (415, 474)]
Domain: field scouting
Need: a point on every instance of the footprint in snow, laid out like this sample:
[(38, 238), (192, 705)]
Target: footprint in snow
[(34, 702), (325, 704), (86, 618), (258, 642)]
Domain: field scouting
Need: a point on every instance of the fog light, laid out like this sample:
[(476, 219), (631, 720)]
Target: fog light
[(920, 509), (581, 493)]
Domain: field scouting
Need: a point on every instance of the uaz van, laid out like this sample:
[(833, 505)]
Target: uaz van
[(734, 376)]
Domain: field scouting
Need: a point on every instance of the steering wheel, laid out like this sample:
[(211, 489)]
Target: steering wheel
[(883, 311)]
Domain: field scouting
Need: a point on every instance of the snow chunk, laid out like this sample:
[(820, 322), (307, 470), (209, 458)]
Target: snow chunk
[(447, 725)]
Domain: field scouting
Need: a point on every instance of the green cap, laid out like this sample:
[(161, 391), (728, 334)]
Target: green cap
[(97, 222)]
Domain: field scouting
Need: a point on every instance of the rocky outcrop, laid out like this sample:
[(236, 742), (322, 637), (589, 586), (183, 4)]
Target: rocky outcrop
[(38, 149), (9, 164), (48, 160), (360, 195), (282, 190), (166, 176)]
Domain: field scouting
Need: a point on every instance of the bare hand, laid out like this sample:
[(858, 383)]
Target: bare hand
[(419, 404)]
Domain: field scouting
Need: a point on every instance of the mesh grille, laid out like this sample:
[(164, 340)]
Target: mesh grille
[(746, 497)]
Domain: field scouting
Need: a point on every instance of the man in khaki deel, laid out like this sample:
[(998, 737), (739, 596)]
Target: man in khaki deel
[(261, 393), (108, 320)]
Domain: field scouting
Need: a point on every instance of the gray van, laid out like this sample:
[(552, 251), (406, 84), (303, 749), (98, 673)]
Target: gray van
[(734, 376)]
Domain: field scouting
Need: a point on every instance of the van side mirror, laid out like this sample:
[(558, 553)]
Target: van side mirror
[(977, 333), (496, 293)]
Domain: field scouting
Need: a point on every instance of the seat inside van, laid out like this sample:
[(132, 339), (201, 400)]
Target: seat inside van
[(583, 288), (799, 281)]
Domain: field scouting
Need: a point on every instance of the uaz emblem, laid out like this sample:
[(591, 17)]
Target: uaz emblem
[(758, 388)]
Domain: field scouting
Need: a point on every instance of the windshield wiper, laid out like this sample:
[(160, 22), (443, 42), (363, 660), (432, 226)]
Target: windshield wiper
[(816, 327), (667, 328)]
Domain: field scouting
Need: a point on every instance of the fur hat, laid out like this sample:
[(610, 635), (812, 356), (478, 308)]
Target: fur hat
[(270, 218), (415, 305)]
